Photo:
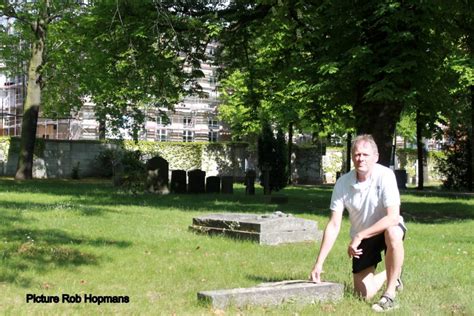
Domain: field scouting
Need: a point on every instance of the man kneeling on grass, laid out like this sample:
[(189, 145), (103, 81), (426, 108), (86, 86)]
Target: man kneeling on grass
[(370, 194)]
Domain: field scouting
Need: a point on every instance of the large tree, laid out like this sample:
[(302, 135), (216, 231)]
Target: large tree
[(31, 23), (142, 55), (371, 56), (126, 56)]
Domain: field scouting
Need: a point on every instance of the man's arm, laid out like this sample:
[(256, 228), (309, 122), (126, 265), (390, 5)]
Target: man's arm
[(329, 237), (391, 219)]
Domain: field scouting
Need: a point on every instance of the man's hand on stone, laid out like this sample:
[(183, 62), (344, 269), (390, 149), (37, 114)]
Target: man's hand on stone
[(353, 251), (315, 275)]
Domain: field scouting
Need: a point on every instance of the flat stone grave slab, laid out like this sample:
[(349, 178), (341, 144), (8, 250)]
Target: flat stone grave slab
[(267, 229), (275, 293)]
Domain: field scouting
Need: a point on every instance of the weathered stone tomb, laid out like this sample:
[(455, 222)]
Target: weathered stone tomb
[(267, 229), (275, 293)]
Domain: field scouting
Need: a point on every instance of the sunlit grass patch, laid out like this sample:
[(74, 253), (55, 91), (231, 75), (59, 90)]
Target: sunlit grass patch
[(78, 237)]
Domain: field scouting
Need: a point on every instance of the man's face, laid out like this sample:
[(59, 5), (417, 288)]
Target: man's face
[(364, 157)]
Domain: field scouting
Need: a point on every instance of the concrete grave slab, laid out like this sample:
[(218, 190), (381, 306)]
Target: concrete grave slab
[(275, 293), (267, 229)]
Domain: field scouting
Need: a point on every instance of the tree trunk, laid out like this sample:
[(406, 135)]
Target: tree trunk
[(348, 152), (102, 128), (290, 150), (31, 106), (470, 175), (379, 120), (420, 148)]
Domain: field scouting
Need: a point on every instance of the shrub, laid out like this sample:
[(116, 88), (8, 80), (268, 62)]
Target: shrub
[(454, 166), (272, 154)]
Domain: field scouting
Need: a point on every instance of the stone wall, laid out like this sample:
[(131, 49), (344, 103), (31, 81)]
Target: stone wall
[(306, 165), (58, 158)]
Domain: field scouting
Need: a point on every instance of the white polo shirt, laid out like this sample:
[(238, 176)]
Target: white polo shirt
[(366, 202)]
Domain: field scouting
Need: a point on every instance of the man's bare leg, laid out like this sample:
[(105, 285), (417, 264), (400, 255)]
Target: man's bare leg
[(394, 257), (367, 284)]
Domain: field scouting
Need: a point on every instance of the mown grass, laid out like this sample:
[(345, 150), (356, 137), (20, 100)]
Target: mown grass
[(77, 237)]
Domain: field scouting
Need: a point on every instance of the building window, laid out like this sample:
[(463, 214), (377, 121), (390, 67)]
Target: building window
[(187, 121), (162, 135), (188, 136), (213, 135), (213, 123)]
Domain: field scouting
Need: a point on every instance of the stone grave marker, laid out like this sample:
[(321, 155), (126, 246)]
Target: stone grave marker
[(213, 184), (196, 181), (157, 175), (268, 229), (178, 181), (227, 185), (275, 293)]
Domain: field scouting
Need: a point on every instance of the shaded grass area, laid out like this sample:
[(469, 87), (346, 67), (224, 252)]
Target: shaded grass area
[(79, 237)]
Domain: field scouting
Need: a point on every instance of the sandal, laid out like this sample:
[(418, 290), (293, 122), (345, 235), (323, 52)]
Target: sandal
[(385, 304)]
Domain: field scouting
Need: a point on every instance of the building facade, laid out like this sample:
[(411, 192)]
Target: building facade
[(194, 119)]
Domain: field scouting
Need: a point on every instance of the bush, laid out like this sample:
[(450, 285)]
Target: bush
[(454, 166), (272, 154), (126, 168)]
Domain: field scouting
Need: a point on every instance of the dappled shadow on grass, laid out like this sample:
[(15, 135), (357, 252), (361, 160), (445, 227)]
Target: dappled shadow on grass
[(97, 193), (98, 196), (40, 250), (67, 206), (432, 213)]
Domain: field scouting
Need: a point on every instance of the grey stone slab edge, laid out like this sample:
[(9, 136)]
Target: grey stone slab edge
[(268, 294), (271, 239)]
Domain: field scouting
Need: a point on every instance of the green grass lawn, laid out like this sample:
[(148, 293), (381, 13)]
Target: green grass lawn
[(84, 237)]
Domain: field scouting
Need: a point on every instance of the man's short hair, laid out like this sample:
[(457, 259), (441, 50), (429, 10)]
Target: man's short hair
[(366, 138)]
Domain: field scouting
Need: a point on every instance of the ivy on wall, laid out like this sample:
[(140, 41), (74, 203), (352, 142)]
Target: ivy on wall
[(408, 160), (180, 155), (8, 143)]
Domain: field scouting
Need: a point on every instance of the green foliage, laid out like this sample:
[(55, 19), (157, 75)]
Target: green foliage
[(280, 169), (454, 166), (139, 56), (185, 156), (107, 160), (406, 127), (234, 110), (132, 174)]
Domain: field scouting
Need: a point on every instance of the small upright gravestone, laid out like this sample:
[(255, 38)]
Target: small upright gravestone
[(250, 176), (157, 175), (213, 184), (178, 181), (227, 184), (196, 181)]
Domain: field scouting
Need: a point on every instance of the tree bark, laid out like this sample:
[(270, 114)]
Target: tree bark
[(290, 150), (31, 105), (420, 149), (102, 128), (470, 176), (348, 152), (379, 120)]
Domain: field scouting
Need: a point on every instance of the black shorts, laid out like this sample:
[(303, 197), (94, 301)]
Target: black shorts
[(371, 251)]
